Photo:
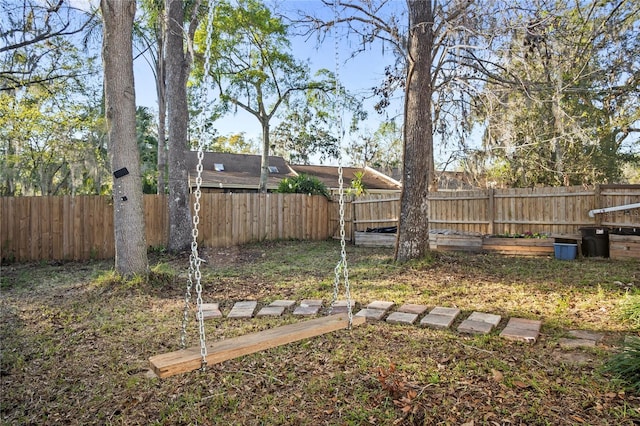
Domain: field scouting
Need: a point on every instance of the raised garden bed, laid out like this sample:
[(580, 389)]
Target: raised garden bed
[(519, 246), (375, 239), (624, 246), (455, 242)]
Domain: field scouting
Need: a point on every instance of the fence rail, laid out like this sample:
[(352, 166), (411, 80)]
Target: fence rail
[(78, 228)]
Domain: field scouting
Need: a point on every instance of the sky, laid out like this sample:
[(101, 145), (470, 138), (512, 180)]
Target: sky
[(359, 75)]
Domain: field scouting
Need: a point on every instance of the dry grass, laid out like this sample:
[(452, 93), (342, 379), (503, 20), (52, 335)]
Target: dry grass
[(75, 343)]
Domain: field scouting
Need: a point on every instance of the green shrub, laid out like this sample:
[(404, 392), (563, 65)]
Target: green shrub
[(626, 365), (303, 184)]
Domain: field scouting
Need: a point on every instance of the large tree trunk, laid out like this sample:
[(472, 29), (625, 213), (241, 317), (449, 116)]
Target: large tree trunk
[(120, 107), (177, 67), (413, 230)]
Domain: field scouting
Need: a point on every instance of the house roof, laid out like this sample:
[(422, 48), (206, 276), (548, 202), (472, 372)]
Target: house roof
[(237, 171), (242, 171), (371, 179)]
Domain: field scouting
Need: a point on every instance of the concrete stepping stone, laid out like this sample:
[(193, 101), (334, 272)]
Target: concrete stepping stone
[(287, 304), (372, 314), (211, 310), (380, 305), (340, 307), (243, 309), (440, 317), (308, 307), (568, 343), (479, 323), (271, 311), (587, 335), (522, 330), (402, 318), (411, 308), (275, 308)]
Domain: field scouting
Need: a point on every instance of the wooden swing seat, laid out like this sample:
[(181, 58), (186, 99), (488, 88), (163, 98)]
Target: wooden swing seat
[(184, 360)]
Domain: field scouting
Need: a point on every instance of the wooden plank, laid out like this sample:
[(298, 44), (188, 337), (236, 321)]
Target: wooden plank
[(375, 239), (185, 360)]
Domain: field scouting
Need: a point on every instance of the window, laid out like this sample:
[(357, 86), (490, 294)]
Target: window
[(273, 169), (218, 167)]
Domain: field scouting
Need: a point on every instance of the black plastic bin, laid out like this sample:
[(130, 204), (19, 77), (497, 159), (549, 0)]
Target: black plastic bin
[(595, 242)]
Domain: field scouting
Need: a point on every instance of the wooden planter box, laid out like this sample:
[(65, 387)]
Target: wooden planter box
[(519, 246), (445, 242), (624, 246), (375, 239)]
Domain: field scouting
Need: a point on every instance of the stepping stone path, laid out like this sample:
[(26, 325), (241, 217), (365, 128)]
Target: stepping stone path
[(518, 329), (243, 309), (580, 339), (211, 310), (523, 330), (375, 311), (276, 308), (479, 323), (406, 314), (308, 307), (440, 317), (341, 307)]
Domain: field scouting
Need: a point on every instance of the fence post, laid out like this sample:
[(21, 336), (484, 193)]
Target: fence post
[(597, 200), (352, 233), (491, 210)]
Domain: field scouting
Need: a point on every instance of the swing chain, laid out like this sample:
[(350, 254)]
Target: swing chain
[(195, 275), (342, 269)]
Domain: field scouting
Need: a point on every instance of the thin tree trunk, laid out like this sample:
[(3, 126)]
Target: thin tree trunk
[(558, 126), (161, 89), (413, 230), (177, 67), (120, 107), (264, 163)]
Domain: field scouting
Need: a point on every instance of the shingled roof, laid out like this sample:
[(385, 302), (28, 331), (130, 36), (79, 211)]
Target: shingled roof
[(236, 171), (371, 179), (228, 172)]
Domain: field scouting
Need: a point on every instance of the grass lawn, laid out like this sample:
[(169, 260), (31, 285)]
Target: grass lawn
[(75, 342)]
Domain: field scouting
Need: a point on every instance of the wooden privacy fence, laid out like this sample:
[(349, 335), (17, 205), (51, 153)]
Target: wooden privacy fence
[(562, 210), (77, 228), (81, 227)]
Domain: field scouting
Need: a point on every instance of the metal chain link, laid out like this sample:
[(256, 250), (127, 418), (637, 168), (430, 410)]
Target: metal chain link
[(342, 269), (195, 261)]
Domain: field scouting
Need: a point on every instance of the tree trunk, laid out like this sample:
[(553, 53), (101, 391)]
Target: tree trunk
[(264, 163), (120, 106), (413, 230), (558, 125), (161, 88), (177, 67)]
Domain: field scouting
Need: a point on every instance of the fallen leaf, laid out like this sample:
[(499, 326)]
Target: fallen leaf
[(520, 384)]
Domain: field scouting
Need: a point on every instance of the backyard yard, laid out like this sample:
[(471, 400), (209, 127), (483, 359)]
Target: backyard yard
[(76, 341)]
